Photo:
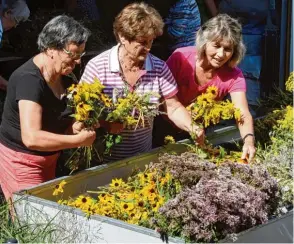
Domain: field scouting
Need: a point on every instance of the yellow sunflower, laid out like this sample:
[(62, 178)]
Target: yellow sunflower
[(106, 100), (213, 90), (126, 206), (83, 110), (59, 188), (83, 202), (116, 183)]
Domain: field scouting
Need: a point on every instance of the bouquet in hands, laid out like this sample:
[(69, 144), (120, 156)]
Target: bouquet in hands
[(133, 109), (88, 103), (129, 110), (206, 111)]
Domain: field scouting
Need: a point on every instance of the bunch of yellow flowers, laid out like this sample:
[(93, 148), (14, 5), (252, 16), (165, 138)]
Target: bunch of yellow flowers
[(88, 101), (133, 109), (206, 110), (134, 201)]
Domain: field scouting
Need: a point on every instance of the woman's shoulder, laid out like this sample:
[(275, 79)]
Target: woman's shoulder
[(183, 54), (27, 71), (185, 51)]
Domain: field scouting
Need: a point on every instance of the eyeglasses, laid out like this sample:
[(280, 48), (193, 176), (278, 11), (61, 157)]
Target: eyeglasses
[(74, 55)]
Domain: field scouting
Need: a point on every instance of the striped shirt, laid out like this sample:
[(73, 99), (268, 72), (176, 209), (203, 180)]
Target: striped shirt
[(155, 77)]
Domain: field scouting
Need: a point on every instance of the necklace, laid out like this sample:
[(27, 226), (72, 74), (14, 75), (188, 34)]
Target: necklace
[(128, 85)]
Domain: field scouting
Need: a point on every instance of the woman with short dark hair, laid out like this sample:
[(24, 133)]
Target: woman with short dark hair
[(34, 124)]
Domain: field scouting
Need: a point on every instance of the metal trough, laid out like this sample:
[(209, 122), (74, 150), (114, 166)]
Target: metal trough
[(37, 205)]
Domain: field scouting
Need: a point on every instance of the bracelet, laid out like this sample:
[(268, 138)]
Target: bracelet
[(249, 134)]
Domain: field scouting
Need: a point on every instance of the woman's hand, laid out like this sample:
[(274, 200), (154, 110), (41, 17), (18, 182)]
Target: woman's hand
[(77, 127), (199, 135), (248, 149), (86, 137)]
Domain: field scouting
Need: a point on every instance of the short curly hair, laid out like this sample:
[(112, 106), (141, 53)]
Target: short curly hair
[(138, 20), (222, 27)]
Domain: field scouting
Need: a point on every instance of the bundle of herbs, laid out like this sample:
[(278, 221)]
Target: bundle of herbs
[(215, 201)]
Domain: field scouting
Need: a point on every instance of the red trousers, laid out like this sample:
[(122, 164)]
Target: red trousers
[(19, 170)]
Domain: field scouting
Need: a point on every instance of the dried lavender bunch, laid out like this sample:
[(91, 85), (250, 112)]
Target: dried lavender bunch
[(214, 208), (215, 201), (187, 168)]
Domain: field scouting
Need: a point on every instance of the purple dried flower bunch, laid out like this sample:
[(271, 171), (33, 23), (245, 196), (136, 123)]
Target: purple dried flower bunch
[(215, 201)]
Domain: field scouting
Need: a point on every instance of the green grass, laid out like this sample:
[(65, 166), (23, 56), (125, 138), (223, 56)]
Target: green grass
[(23, 232)]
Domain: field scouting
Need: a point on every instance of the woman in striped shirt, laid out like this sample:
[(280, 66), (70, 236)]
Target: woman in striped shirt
[(130, 65)]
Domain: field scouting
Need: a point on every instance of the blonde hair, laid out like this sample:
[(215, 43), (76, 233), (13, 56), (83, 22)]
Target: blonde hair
[(222, 27), (138, 20)]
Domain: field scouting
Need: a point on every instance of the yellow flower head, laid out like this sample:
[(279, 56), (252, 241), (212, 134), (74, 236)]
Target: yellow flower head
[(204, 99), (83, 202), (71, 88), (59, 188), (126, 206), (83, 110), (106, 100), (116, 183), (169, 140), (213, 90)]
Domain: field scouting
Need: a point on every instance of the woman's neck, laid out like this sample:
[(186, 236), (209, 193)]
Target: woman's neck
[(127, 62), (204, 64), (46, 65)]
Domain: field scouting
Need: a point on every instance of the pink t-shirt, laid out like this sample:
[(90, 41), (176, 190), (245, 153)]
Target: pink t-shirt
[(182, 65)]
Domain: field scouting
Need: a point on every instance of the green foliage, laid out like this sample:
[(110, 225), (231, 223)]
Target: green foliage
[(24, 232), (277, 154)]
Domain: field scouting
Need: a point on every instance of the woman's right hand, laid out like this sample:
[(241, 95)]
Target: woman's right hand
[(86, 137)]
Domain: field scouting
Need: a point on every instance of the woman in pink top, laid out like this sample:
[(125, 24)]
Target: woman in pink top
[(219, 48)]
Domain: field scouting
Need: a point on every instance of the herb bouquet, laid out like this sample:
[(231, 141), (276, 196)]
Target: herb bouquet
[(88, 103), (206, 111), (133, 109), (129, 111)]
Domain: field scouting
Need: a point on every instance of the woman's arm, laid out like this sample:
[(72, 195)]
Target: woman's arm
[(246, 127), (35, 138), (179, 115)]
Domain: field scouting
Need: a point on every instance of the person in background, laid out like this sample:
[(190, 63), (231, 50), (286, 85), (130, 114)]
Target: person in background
[(182, 23), (129, 65), (35, 126), (10, 17), (219, 48)]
